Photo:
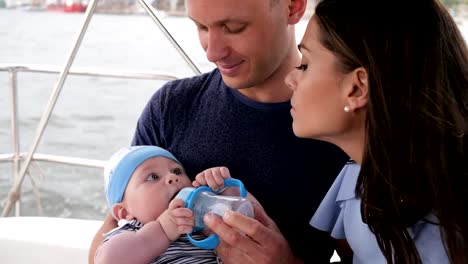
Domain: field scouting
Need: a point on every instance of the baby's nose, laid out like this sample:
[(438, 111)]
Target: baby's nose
[(172, 179)]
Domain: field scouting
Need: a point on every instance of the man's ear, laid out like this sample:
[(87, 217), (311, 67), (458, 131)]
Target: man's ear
[(119, 211), (297, 9), (357, 94)]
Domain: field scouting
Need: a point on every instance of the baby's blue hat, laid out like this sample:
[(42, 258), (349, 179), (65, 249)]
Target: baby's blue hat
[(122, 164)]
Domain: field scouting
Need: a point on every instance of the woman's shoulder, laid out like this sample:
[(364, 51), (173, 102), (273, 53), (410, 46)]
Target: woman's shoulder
[(329, 215), (426, 234)]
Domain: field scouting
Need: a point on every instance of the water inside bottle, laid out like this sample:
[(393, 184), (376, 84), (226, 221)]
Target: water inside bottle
[(218, 204)]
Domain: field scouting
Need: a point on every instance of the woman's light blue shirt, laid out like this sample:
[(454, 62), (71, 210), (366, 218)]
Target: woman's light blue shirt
[(340, 214)]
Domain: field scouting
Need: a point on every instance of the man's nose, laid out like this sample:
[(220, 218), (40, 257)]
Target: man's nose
[(216, 46), (171, 179)]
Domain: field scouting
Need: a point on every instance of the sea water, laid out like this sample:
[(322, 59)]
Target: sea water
[(94, 116)]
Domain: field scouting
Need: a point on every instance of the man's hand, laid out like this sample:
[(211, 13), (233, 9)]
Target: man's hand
[(247, 240)]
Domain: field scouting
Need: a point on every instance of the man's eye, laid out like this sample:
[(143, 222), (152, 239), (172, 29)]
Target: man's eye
[(234, 29), (152, 177), (178, 171), (201, 28), (302, 67)]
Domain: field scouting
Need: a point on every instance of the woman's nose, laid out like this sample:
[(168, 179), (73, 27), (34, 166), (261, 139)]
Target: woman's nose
[(290, 81)]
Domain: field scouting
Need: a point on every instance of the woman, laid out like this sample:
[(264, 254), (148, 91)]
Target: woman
[(388, 83)]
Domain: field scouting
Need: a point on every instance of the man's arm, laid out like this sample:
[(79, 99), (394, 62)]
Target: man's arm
[(109, 224)]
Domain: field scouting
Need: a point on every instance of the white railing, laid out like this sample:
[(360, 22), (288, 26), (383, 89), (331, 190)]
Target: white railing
[(25, 158)]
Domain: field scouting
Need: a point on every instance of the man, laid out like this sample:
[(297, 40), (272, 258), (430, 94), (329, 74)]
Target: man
[(238, 116)]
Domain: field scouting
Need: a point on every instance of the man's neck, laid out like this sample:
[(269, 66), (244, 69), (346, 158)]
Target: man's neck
[(274, 89), (268, 92)]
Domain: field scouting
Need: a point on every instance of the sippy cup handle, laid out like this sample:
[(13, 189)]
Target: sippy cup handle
[(212, 241)]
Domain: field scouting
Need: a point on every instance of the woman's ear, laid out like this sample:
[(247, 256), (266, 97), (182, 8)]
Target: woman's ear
[(357, 95), (119, 211), (297, 9)]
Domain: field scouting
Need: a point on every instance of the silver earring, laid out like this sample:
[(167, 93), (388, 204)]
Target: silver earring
[(347, 109)]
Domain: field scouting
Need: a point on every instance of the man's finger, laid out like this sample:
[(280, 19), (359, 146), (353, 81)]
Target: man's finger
[(231, 255), (263, 218), (230, 235), (255, 230)]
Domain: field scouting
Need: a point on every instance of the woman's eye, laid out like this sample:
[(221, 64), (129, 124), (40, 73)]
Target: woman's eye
[(152, 177), (302, 67), (178, 171)]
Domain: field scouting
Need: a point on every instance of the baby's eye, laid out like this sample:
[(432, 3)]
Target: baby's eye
[(152, 177), (178, 171)]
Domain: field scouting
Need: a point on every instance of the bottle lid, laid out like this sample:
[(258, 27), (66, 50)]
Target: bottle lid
[(184, 193)]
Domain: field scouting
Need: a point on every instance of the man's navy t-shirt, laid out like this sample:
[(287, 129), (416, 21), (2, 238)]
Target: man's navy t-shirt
[(205, 124)]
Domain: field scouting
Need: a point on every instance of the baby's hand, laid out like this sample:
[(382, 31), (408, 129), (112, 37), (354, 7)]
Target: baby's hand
[(213, 177), (176, 220)]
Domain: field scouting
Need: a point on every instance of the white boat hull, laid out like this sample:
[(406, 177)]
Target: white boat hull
[(45, 240)]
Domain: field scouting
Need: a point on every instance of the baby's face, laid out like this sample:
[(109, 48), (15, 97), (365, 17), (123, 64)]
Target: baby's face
[(152, 186)]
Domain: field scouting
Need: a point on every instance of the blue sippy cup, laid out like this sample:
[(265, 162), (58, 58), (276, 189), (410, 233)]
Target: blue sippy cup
[(203, 199)]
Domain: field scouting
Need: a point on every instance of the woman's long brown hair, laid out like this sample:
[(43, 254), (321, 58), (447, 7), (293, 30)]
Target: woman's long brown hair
[(414, 163)]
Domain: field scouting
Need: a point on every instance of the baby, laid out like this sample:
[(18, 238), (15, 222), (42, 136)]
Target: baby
[(140, 184)]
